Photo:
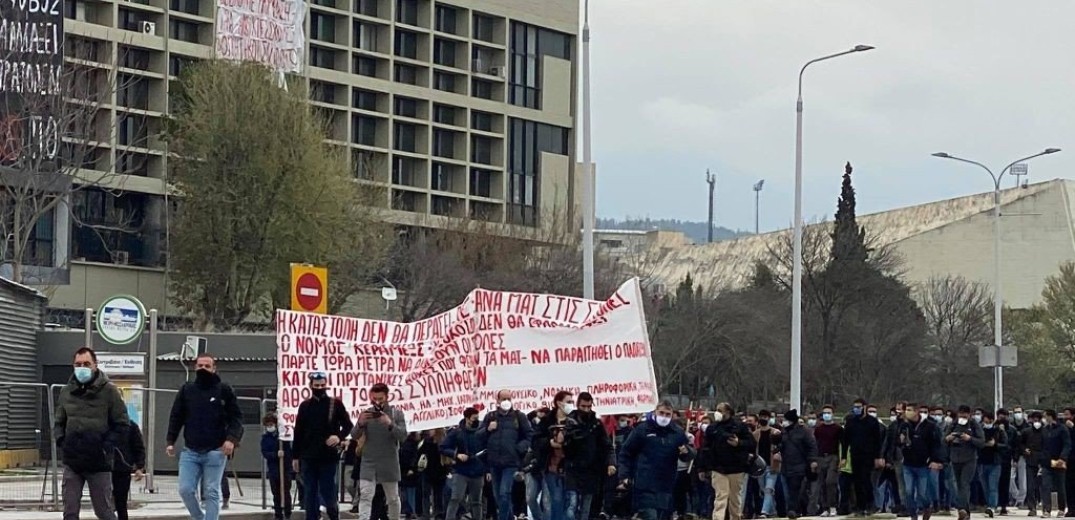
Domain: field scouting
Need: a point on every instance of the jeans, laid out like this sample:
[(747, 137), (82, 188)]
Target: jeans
[(194, 467), (503, 480), (578, 505), (918, 493), (991, 483), (320, 480), (553, 490), (408, 496), (534, 484), (703, 497), (469, 487), (768, 506), (1018, 486), (964, 473), (100, 494)]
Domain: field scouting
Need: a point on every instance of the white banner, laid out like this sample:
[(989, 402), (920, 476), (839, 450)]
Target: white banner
[(531, 344), (269, 32)]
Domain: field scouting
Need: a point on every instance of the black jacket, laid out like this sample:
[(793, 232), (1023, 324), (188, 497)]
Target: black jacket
[(207, 414), (270, 451), (505, 446), (920, 443), (131, 452), (91, 422), (891, 449), (588, 453), (797, 450), (314, 424), (997, 452), (721, 456), (864, 436), (649, 458), (1031, 442), (1056, 443)]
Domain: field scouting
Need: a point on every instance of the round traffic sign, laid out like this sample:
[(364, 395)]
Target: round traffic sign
[(309, 292)]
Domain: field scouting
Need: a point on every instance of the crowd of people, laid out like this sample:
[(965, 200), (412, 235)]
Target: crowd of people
[(567, 462)]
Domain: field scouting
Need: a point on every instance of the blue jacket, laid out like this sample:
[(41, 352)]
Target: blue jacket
[(649, 458), (506, 446), (269, 448), (466, 441)]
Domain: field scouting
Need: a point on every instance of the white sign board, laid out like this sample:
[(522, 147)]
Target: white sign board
[(122, 364), (269, 32), (533, 345), (121, 319)]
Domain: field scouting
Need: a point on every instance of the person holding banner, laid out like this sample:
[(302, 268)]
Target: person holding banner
[(278, 460), (506, 434), (649, 460), (381, 428), (321, 426)]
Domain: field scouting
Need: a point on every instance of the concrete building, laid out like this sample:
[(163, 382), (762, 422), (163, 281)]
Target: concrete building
[(459, 108), (620, 243), (950, 237)]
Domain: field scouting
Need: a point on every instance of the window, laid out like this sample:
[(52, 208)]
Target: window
[(442, 177), (407, 44), (482, 89), (443, 81), (134, 58), (444, 114), (481, 149), (443, 205), (131, 20), (481, 121), (185, 31), (553, 43), (481, 183), (365, 66), (133, 91), (406, 107), (526, 141), (363, 164), (323, 92), (444, 52), (132, 130), (364, 99), (365, 36), (481, 60), (322, 57), (177, 63), (366, 7), (38, 249), (445, 19), (322, 27), (129, 163), (405, 201), (484, 28), (364, 130), (405, 171), (525, 78), (406, 137), (326, 3), (443, 143), (185, 6), (407, 11), (406, 74)]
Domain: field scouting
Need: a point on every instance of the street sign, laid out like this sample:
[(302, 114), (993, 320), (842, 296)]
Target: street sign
[(991, 357), (1019, 169), (115, 364), (309, 288), (121, 319)]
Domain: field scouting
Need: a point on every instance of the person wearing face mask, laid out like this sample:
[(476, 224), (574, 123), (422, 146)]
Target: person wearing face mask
[(989, 461), (380, 430), (506, 435), (766, 437), (208, 414), (703, 488), (830, 437), (590, 458), (1018, 486), (1031, 444), (616, 503), (278, 457), (1056, 448), (648, 462), (321, 425), (91, 424), (964, 439), (462, 446), (1069, 478), (730, 450), (798, 454), (1004, 454), (918, 438), (893, 455), (549, 458), (863, 434)]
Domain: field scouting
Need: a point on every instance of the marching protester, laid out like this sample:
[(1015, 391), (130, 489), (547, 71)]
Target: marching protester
[(590, 458), (1031, 444), (208, 414), (383, 428), (798, 457), (648, 463), (549, 439), (919, 440), (863, 445), (964, 439), (278, 462), (130, 459), (463, 445), (989, 460), (1056, 447), (1007, 454), (1018, 486), (91, 422), (506, 434), (830, 438), (730, 448)]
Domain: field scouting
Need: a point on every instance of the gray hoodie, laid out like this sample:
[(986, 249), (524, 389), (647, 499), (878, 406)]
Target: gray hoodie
[(960, 452)]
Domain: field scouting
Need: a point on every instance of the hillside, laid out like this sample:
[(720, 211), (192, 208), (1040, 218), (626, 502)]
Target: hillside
[(696, 231)]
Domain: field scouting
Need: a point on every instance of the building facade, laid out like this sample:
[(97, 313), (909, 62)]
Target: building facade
[(458, 108)]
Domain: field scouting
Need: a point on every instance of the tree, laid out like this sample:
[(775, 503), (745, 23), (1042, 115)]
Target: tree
[(56, 125), (958, 319), (260, 189), (1045, 336), (848, 238)]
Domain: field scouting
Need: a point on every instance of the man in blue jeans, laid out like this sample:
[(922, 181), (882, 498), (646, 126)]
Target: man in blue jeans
[(506, 434), (207, 412), (919, 439), (321, 425)]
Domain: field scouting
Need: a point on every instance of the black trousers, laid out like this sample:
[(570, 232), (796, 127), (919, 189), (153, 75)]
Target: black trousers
[(1004, 492), (795, 499), (862, 477), (121, 489), (281, 508), (1070, 484), (1053, 480)]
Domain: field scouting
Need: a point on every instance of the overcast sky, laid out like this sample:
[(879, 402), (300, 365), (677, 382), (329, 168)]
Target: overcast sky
[(684, 85)]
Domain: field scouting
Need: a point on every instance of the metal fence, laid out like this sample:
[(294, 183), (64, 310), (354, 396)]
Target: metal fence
[(29, 480)]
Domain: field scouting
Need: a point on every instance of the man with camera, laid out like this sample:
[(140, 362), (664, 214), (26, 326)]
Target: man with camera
[(321, 426), (380, 430)]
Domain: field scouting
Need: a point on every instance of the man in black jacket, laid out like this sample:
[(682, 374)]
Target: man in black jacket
[(208, 414), (321, 425), (798, 455), (589, 455), (919, 440), (863, 434), (730, 449), (1056, 447), (130, 458)]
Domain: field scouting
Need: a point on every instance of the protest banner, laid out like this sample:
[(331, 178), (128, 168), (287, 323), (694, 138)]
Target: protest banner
[(269, 32), (531, 344)]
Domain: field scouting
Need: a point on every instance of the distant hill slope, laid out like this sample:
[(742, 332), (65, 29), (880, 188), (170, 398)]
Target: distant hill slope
[(696, 231)]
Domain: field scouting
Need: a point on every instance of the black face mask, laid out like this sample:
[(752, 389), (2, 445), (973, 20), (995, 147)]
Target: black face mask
[(320, 392), (203, 377)]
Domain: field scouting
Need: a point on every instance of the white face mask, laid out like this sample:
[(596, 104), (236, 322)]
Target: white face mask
[(947, 420), (1018, 416), (567, 408), (977, 418), (785, 423), (962, 421), (663, 421), (505, 405), (892, 418), (811, 422), (717, 416), (1037, 425), (872, 414), (270, 429), (702, 427)]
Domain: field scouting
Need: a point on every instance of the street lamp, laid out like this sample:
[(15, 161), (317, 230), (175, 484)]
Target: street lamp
[(797, 247), (757, 203), (998, 326), (589, 198)]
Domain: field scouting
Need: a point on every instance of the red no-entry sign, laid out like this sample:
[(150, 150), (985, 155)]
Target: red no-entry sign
[(309, 288)]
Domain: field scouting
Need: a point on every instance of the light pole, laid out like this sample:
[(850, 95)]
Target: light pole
[(998, 300), (588, 186), (797, 245), (757, 204)]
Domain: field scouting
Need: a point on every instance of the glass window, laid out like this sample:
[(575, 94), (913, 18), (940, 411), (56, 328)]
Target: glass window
[(407, 44), (407, 11), (365, 66), (406, 107), (366, 7), (482, 89), (443, 81), (185, 6), (481, 121), (185, 31), (444, 114), (444, 52), (406, 137), (322, 57), (442, 177), (481, 182), (406, 74), (364, 130), (365, 36), (322, 27), (484, 28), (364, 99), (445, 19)]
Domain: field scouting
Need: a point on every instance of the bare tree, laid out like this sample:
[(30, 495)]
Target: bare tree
[(958, 319)]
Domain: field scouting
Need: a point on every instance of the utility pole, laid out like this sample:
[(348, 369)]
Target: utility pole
[(757, 204), (588, 186), (712, 181)]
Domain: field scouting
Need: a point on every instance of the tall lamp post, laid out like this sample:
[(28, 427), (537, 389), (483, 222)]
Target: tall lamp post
[(998, 300), (757, 204), (588, 186), (797, 247)]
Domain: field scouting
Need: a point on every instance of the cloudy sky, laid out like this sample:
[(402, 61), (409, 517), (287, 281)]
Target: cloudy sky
[(684, 85)]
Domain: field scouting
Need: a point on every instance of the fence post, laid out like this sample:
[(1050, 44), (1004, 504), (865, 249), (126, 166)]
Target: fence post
[(52, 444), (151, 404), (264, 463)]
